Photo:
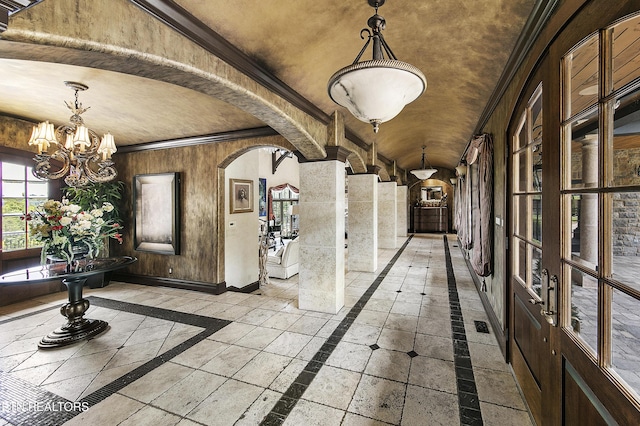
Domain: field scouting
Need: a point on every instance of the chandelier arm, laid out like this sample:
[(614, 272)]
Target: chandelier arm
[(105, 173), (387, 48), (364, 30), (42, 169)]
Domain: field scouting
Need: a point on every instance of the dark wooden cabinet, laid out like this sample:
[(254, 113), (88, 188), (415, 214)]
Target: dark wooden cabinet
[(429, 219)]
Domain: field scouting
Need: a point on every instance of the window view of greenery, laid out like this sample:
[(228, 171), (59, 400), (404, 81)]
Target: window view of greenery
[(282, 203), (21, 192)]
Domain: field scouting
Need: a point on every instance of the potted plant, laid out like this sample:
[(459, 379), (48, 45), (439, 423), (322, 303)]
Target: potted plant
[(92, 196)]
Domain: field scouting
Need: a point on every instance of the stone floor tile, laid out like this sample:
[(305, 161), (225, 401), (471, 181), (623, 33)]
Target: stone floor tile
[(495, 415), (288, 344), (396, 340), (350, 356), (498, 387), (333, 387), (311, 414), (187, 393), (380, 399), (259, 409), (226, 404), (155, 383), (434, 346), (433, 373), (263, 369), (259, 338), (112, 411), (428, 406), (392, 365), (229, 361), (200, 353)]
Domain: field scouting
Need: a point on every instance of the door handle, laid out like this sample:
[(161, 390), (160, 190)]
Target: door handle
[(549, 294)]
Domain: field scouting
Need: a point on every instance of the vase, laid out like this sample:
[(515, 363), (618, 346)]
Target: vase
[(74, 265)]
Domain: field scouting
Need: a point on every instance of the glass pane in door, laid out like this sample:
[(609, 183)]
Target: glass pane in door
[(584, 307), (626, 51), (581, 66), (583, 151), (625, 239), (625, 338)]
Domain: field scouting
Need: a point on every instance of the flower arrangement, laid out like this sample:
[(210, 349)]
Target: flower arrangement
[(66, 231)]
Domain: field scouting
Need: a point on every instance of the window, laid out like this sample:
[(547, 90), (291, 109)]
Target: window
[(527, 189), (284, 217), (21, 192)]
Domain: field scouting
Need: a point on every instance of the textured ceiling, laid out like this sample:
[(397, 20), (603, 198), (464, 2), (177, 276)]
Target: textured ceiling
[(460, 46)]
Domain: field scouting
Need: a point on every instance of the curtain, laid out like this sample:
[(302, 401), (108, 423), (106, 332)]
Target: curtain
[(270, 197), (481, 150)]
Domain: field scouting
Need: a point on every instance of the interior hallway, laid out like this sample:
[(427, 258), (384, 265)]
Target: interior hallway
[(180, 357)]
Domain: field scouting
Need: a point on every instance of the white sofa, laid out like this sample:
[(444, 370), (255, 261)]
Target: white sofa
[(284, 262)]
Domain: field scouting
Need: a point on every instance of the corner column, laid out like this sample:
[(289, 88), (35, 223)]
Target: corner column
[(363, 223), (322, 233), (402, 211), (387, 215)]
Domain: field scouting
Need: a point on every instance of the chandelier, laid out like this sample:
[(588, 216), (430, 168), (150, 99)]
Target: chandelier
[(424, 173), (375, 91), (85, 158)]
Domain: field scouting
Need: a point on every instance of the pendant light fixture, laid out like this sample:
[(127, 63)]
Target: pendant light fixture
[(424, 172), (375, 91), (84, 156)]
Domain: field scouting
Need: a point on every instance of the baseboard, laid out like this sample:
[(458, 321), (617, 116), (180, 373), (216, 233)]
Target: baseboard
[(209, 288), (493, 319), (246, 289)]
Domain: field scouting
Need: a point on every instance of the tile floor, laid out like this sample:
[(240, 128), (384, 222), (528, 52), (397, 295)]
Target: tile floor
[(176, 357)]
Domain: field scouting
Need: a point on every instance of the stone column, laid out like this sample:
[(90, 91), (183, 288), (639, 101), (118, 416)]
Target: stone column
[(363, 223), (589, 202), (402, 211), (322, 229), (387, 215)]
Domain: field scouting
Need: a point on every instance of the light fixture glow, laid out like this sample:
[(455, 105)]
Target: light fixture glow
[(375, 91), (78, 148), (424, 172)]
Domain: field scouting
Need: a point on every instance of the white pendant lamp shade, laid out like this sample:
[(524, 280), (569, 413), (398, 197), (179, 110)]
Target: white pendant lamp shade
[(423, 174), (376, 91)]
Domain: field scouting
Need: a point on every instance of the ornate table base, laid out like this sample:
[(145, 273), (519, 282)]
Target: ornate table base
[(77, 327)]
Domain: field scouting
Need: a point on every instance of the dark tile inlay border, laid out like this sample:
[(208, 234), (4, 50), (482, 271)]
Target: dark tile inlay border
[(283, 407), (468, 402), (18, 397)]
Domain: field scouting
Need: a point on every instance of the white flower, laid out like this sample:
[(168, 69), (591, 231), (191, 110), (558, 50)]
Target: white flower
[(96, 213), (73, 208), (107, 207), (65, 221), (84, 224), (85, 217)]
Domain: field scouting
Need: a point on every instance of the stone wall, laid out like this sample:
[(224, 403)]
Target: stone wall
[(626, 205)]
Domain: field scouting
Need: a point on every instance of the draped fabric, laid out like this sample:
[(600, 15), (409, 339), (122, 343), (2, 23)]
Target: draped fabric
[(270, 195), (482, 216)]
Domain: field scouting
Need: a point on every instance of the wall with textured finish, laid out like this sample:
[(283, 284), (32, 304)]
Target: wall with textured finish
[(15, 133), (202, 201)]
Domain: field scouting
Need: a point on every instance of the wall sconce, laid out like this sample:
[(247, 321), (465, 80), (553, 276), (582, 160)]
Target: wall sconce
[(453, 181), (461, 170)]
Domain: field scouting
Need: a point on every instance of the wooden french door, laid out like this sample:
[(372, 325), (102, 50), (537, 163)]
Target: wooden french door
[(574, 302), (532, 301)]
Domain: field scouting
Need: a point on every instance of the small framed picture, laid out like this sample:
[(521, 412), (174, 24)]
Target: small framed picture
[(241, 195)]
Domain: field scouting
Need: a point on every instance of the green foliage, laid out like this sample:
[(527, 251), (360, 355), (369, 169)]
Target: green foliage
[(93, 195)]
